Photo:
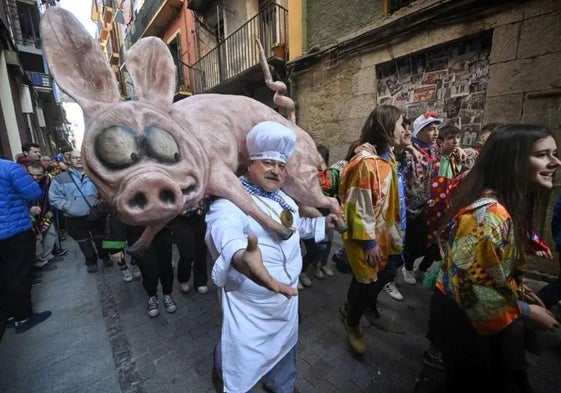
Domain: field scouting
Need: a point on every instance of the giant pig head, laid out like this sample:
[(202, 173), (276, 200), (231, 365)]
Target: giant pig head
[(139, 157)]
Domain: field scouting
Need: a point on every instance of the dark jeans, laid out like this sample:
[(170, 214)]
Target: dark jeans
[(17, 255), (189, 236), (361, 295), (495, 363), (317, 253), (84, 232), (155, 263), (416, 244)]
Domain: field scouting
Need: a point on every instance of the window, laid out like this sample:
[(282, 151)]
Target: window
[(175, 49)]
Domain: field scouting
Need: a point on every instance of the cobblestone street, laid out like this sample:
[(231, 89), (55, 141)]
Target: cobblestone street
[(99, 339)]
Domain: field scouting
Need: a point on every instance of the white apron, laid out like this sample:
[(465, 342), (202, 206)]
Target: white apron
[(259, 326)]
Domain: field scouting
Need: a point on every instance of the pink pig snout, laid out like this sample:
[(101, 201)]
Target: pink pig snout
[(149, 198)]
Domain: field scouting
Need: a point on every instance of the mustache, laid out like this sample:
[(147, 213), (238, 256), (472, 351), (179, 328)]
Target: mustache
[(272, 176)]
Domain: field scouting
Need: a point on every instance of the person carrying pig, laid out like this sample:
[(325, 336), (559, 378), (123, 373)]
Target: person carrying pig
[(257, 272)]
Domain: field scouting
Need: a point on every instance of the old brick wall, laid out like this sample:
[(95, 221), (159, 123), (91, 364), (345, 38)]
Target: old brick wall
[(335, 96)]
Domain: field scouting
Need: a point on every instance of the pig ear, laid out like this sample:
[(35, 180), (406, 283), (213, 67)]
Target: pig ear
[(76, 62), (152, 70)]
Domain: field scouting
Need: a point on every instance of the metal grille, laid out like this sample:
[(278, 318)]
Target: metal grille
[(238, 52)]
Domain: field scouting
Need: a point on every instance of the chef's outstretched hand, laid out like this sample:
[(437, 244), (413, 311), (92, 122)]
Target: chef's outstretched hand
[(249, 262)]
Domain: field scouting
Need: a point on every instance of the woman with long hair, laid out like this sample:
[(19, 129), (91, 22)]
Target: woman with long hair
[(370, 198), (480, 305)]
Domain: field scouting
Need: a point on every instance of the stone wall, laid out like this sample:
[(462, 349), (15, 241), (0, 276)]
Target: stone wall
[(335, 96)]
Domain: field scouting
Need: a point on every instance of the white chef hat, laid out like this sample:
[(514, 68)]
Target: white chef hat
[(269, 140)]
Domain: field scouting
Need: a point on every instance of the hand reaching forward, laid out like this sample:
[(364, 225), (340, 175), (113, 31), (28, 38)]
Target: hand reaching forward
[(530, 296), (249, 262), (543, 317)]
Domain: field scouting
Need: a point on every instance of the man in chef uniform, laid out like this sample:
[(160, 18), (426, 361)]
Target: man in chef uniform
[(257, 273)]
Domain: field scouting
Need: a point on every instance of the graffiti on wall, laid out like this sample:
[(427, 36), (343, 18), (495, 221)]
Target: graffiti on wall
[(450, 80)]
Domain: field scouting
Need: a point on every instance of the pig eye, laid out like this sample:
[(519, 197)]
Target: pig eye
[(161, 145), (116, 147)]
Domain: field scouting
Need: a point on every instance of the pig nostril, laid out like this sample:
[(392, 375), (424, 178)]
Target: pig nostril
[(188, 190), (139, 200), (167, 196)]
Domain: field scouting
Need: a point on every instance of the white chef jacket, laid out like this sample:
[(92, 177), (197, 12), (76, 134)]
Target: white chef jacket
[(259, 326)]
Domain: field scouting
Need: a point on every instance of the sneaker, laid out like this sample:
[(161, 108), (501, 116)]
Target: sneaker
[(34, 319), (153, 306), (92, 268), (136, 274), (202, 289), (318, 273), (392, 290), (10, 323), (184, 286), (356, 339), (408, 276), (126, 275), (46, 267), (60, 252), (305, 280), (169, 304), (433, 360), (299, 285), (328, 271)]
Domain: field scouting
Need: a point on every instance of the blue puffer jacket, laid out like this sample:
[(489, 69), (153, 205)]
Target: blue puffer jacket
[(16, 189)]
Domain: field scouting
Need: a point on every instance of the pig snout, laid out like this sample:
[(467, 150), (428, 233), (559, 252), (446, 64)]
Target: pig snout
[(149, 198)]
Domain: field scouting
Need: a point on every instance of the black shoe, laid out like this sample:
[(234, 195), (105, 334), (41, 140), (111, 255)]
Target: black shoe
[(60, 252), (434, 361), (10, 323), (46, 267), (34, 319), (341, 265)]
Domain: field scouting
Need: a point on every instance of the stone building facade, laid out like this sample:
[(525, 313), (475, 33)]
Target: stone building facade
[(339, 78)]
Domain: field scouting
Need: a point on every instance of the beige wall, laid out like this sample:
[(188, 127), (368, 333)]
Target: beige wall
[(334, 98)]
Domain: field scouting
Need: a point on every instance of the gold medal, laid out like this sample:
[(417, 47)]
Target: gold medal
[(286, 218)]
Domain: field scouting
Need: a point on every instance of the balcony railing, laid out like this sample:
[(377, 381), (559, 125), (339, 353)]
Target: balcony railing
[(239, 52), (152, 18)]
